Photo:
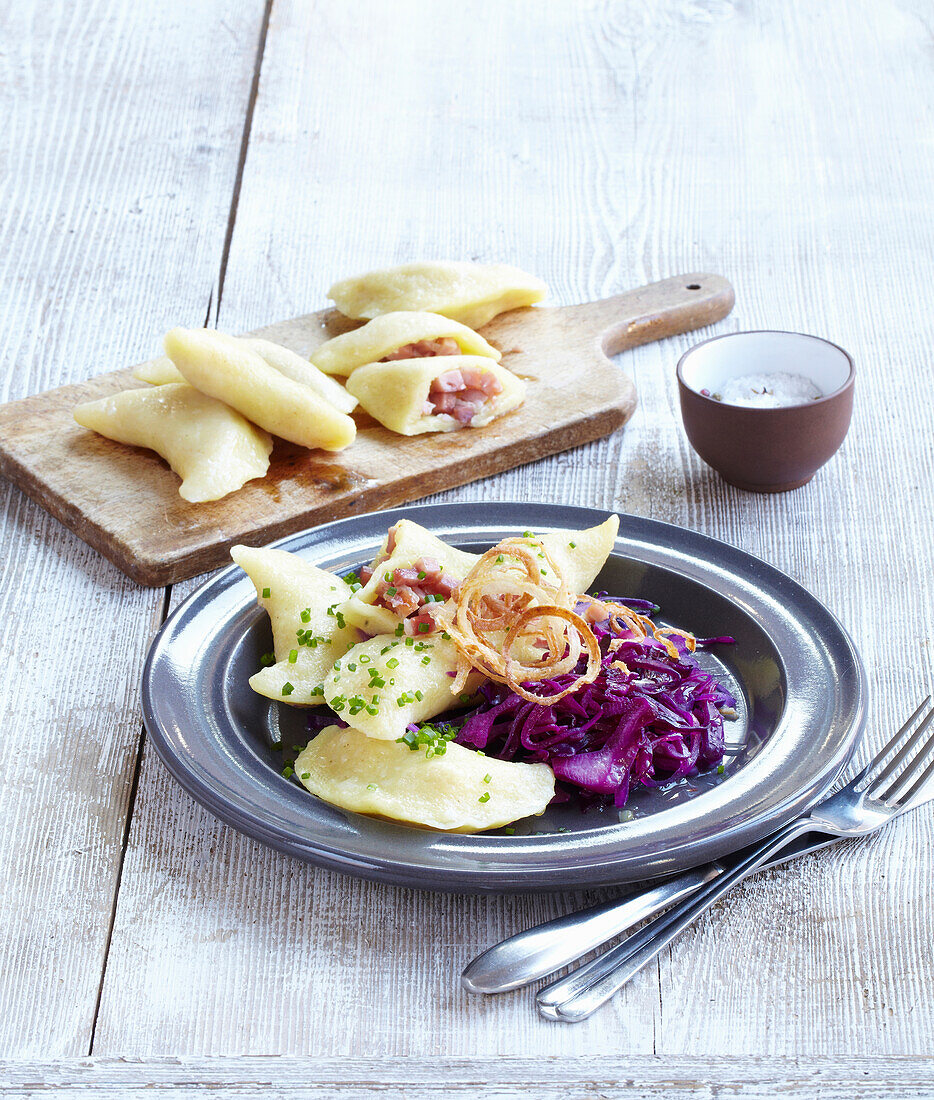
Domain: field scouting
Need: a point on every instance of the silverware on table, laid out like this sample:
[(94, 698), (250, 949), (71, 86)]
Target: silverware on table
[(877, 794), (539, 951)]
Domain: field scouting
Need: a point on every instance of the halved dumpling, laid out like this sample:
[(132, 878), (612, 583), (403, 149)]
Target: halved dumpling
[(231, 371), (413, 396), (470, 293), (459, 791), (580, 555), (403, 335), (413, 568), (385, 683), (212, 448), (303, 603), (162, 370)]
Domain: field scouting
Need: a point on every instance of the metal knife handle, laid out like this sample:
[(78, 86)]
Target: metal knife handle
[(536, 952)]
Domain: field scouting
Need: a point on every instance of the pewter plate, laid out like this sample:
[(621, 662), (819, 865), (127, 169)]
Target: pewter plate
[(796, 674)]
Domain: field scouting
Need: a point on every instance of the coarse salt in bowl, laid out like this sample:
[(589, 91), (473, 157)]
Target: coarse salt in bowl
[(766, 409)]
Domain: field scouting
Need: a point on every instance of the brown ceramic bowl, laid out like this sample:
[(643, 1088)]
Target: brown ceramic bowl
[(766, 450)]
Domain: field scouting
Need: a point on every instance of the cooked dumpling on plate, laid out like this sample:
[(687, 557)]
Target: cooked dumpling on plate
[(211, 447), (231, 371), (387, 682), (162, 370), (412, 564), (413, 396), (404, 335), (303, 602), (459, 791), (580, 555), (470, 293)]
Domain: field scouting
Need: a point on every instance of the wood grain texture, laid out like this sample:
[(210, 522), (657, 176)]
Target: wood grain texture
[(113, 172), (124, 501), (600, 145), (548, 1078)]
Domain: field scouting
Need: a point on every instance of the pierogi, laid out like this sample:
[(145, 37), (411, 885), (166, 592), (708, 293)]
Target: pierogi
[(403, 335), (580, 555), (231, 371), (467, 292), (407, 546), (436, 394), (211, 447), (459, 791), (387, 682), (162, 370), (302, 602)]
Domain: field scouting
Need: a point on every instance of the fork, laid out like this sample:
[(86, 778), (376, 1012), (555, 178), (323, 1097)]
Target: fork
[(871, 799)]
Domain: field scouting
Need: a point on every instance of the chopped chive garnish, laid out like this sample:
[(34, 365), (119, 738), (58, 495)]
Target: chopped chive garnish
[(293, 656), (390, 592), (421, 574), (424, 628), (487, 778), (287, 772), (393, 662), (267, 659), (485, 797), (510, 831), (267, 592), (720, 770), (287, 688), (306, 615), (400, 630), (573, 545), (419, 696), (371, 786), (306, 775), (426, 660)]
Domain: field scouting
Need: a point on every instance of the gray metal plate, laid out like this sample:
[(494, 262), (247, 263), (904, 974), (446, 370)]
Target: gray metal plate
[(796, 673)]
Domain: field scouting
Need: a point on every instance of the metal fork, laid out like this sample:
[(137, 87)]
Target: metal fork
[(876, 795)]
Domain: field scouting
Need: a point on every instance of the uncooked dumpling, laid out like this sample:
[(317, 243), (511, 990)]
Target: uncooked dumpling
[(459, 791), (303, 604), (470, 293), (385, 683), (212, 448), (438, 394), (394, 334), (158, 372), (227, 369), (405, 544), (162, 370), (293, 366)]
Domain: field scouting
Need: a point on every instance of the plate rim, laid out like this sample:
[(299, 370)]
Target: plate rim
[(501, 878)]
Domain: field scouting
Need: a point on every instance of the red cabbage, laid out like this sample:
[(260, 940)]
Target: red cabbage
[(650, 726)]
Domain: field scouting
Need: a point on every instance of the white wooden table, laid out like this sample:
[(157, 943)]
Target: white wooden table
[(223, 161)]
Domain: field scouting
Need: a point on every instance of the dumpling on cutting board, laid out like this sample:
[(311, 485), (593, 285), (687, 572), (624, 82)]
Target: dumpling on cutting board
[(403, 335), (159, 371), (211, 447), (414, 396), (467, 292), (231, 371), (309, 635), (459, 791), (407, 547), (385, 683)]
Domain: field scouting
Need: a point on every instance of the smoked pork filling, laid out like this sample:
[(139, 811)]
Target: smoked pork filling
[(412, 396)]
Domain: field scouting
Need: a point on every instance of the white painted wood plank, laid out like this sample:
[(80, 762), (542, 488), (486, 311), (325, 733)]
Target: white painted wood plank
[(606, 1077), (782, 148), (121, 138)]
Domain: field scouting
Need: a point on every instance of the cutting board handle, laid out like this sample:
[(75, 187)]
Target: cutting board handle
[(652, 312)]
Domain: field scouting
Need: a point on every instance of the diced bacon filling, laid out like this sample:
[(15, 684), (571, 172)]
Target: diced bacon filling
[(461, 393), (422, 349), (416, 589)]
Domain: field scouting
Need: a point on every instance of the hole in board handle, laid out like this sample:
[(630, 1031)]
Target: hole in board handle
[(692, 286)]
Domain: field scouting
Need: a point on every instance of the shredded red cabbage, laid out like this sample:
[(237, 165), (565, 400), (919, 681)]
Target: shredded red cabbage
[(650, 726)]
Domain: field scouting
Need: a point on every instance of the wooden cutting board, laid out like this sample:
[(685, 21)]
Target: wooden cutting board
[(124, 500)]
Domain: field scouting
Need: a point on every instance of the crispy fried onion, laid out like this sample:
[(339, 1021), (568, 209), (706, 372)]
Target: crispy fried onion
[(513, 620)]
